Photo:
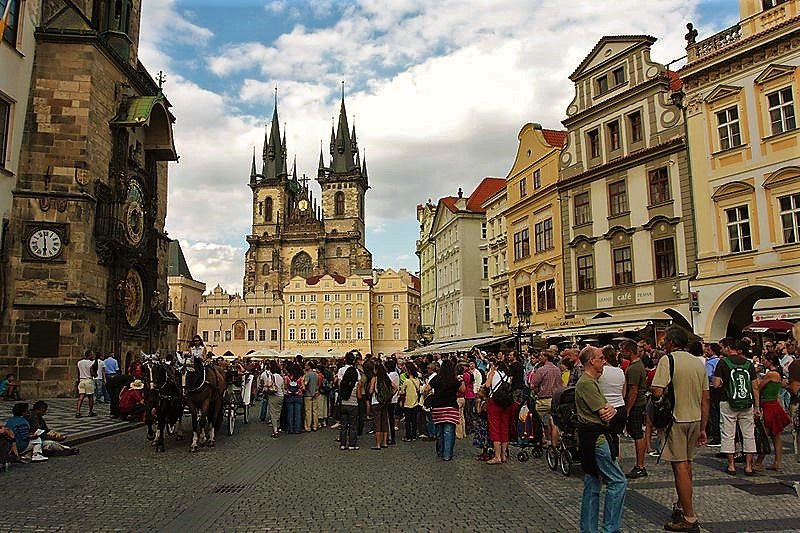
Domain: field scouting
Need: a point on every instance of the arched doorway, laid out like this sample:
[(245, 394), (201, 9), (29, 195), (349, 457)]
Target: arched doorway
[(680, 320), (736, 310)]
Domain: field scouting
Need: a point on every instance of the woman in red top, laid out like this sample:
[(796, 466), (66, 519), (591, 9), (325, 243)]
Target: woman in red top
[(131, 401)]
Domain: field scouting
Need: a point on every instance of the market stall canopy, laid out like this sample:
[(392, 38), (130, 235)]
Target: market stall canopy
[(460, 345), (777, 326), (611, 325), (776, 309)]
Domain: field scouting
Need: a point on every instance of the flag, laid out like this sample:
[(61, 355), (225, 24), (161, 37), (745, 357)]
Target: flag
[(4, 18)]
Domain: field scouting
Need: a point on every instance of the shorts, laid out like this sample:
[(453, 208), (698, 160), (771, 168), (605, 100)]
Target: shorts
[(635, 422), (543, 409), (86, 386), (681, 442)]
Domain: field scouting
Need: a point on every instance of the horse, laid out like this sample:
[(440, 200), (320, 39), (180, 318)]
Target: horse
[(162, 399), (202, 387)]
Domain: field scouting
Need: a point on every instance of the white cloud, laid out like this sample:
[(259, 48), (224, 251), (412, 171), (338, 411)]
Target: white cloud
[(215, 263), (276, 6)]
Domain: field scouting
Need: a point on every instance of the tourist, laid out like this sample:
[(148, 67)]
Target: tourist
[(99, 375), (735, 377), (381, 390), (8, 388), (544, 381), (275, 391), (310, 394), (350, 392), (460, 400), (131, 401), (111, 367), (394, 377), (444, 408), (85, 383), (410, 394), (635, 403), (26, 441), (264, 382), (499, 416), (612, 384), (472, 386), (325, 380), (516, 373), (293, 398), (51, 440), (135, 368), (690, 415), (363, 401), (598, 452), (576, 368), (794, 389), (713, 351), (775, 418), (481, 434), (198, 349)]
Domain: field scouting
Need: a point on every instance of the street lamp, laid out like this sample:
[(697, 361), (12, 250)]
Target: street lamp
[(523, 323)]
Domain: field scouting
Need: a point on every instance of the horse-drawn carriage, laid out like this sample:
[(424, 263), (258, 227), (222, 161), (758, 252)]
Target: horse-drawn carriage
[(236, 398)]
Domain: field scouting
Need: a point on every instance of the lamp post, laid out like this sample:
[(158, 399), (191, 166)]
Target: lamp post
[(523, 323)]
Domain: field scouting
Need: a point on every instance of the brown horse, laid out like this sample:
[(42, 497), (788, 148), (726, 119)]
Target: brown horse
[(163, 401), (202, 387)]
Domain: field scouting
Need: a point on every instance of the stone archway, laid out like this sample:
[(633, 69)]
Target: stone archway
[(736, 310)]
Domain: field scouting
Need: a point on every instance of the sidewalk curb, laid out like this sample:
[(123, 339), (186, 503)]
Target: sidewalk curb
[(97, 435)]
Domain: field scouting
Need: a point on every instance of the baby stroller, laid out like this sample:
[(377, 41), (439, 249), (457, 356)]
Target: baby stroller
[(564, 416), (530, 432)]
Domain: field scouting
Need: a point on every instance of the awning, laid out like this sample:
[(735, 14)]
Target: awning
[(778, 326), (613, 325), (776, 309), (460, 345)]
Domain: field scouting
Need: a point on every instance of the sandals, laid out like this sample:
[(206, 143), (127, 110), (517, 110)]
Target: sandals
[(376, 448), (494, 461), (749, 473), (731, 472)]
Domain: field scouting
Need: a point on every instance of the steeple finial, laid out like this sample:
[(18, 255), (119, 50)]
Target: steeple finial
[(343, 91), (294, 168), (253, 167)]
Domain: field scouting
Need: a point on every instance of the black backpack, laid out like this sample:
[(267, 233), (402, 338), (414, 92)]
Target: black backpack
[(663, 407), (383, 391), (348, 384), (503, 395)]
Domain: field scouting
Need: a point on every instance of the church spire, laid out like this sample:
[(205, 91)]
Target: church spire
[(343, 145), (253, 167), (274, 147)]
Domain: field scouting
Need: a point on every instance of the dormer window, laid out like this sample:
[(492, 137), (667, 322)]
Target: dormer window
[(619, 76), (602, 84)]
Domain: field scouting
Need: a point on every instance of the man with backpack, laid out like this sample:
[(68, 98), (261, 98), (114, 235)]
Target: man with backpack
[(735, 377), (681, 377), (350, 393)]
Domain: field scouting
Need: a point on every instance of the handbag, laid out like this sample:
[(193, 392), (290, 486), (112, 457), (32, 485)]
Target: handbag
[(763, 445), (663, 406)]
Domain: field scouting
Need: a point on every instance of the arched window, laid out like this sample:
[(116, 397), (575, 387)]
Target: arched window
[(360, 201), (268, 210), (301, 265), (265, 269), (338, 209)]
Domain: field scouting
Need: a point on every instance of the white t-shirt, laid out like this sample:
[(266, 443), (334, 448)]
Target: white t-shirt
[(612, 383), (85, 368), (497, 377), (394, 377), (477, 381), (101, 368), (277, 381)]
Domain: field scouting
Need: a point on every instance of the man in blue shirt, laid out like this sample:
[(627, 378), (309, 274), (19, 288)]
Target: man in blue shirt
[(25, 440), (111, 366), (712, 352)]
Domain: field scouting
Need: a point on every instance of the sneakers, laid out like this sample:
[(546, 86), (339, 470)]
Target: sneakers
[(343, 447), (38, 458), (352, 448), (636, 472), (336, 425), (654, 453), (682, 525)]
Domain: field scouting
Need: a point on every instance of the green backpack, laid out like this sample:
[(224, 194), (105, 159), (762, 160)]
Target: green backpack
[(740, 387)]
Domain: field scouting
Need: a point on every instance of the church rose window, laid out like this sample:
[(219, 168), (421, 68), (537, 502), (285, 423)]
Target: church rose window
[(301, 265)]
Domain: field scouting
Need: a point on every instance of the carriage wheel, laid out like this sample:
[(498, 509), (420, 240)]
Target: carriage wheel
[(565, 462), (536, 452), (231, 419), (522, 456), (552, 457)]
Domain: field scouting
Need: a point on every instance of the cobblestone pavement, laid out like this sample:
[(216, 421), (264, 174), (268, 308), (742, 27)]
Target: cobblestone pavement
[(250, 482), (61, 417)]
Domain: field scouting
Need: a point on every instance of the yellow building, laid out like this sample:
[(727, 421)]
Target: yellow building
[(533, 215), (185, 295), (328, 314), (741, 88), (426, 253), (495, 261), (395, 311)]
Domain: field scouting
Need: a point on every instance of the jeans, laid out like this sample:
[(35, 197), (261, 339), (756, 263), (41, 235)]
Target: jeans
[(469, 414), (411, 422), (445, 440), (294, 405), (349, 425), (429, 429), (610, 474), (264, 408), (100, 393)]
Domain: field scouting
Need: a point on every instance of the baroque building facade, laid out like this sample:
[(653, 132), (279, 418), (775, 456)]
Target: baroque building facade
[(426, 254), (185, 295), (494, 263), (87, 259), (627, 218), (741, 89)]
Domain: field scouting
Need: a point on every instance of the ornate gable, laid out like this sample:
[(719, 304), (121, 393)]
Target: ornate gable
[(775, 71), (732, 189), (722, 91), (607, 48)]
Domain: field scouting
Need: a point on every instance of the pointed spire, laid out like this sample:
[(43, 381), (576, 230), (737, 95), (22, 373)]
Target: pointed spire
[(342, 151), (321, 161), (274, 147), (294, 168), (253, 167)]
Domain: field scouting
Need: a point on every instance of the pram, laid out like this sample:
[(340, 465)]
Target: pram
[(565, 417), (530, 432)]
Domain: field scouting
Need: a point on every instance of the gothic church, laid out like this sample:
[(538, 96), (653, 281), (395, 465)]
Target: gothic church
[(291, 234)]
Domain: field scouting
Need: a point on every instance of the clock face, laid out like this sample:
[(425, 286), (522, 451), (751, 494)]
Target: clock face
[(134, 213), (45, 243), (303, 204), (133, 298)]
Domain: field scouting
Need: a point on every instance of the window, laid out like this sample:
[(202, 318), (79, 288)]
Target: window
[(485, 268), (303, 313), (613, 135), (312, 313), (379, 298), (380, 312), (337, 297), (379, 333), (359, 333), (228, 336), (348, 333), (594, 143), (292, 334), (216, 336), (312, 297), (337, 313), (268, 210), (546, 295), (326, 334), (396, 298), (292, 297), (583, 214), (273, 335), (790, 218), (483, 230), (225, 311), (210, 311), (618, 198), (396, 334), (12, 22), (216, 311), (205, 336), (523, 188), (537, 179), (258, 310), (544, 235), (302, 298), (312, 333), (303, 334), (658, 181), (781, 110), (585, 273), (522, 244), (665, 258), (602, 84), (338, 207), (262, 335), (769, 4), (739, 229), (396, 313), (348, 312), (5, 115), (623, 266), (359, 312), (486, 309), (523, 298), (327, 313), (635, 124), (326, 297), (251, 335), (619, 76), (728, 128), (291, 313)]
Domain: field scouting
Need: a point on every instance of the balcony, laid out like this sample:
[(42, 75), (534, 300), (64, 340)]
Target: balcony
[(706, 47)]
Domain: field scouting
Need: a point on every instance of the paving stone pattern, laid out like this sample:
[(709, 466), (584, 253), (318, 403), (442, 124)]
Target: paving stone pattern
[(250, 482)]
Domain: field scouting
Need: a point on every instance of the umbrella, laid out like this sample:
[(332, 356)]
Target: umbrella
[(779, 326)]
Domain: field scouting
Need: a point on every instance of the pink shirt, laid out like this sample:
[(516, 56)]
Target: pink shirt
[(469, 393)]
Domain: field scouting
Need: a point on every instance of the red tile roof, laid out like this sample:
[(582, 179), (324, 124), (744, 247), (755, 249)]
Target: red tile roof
[(415, 281), (485, 190), (554, 138), (450, 203), (313, 280)]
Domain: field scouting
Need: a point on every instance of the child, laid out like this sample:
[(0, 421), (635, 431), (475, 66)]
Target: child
[(481, 438), (8, 388)]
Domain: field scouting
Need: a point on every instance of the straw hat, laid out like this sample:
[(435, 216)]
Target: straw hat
[(137, 384)]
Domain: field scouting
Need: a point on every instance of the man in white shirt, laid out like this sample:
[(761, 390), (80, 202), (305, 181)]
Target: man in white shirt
[(85, 383)]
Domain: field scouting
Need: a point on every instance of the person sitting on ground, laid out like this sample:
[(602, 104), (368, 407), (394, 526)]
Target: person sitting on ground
[(51, 440), (8, 447), (8, 388), (27, 441), (131, 401)]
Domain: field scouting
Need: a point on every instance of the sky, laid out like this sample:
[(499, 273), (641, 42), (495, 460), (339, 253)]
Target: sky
[(438, 90)]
